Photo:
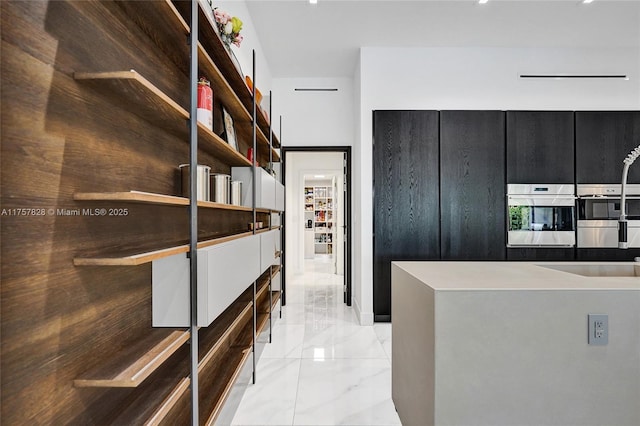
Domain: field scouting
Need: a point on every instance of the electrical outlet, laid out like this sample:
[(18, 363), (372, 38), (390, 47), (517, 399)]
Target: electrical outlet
[(598, 329)]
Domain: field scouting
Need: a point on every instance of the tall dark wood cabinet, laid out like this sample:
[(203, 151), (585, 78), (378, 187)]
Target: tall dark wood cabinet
[(540, 149), (405, 205), (472, 185), (603, 140)]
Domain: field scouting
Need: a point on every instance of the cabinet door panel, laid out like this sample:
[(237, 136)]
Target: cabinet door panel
[(535, 253), (405, 204), (603, 140), (472, 201), (540, 147)]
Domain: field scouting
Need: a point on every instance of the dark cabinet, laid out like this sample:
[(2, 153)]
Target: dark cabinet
[(540, 147), (472, 185), (537, 253), (607, 254), (603, 140), (405, 204)]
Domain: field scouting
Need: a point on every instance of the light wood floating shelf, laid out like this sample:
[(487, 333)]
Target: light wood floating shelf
[(151, 198), (135, 370), (146, 257), (237, 356), (220, 343), (148, 102), (263, 317), (169, 402)]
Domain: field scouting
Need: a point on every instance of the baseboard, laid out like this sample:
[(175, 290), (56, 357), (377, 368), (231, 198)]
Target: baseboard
[(382, 318), (364, 318)]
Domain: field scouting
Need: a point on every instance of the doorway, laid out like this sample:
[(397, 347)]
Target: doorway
[(318, 212)]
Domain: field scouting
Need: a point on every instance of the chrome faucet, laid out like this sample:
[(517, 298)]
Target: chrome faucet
[(622, 222)]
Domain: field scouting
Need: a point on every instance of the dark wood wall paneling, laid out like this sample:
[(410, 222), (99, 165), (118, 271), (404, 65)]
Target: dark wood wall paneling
[(60, 137), (603, 140), (406, 206), (540, 147), (472, 199)]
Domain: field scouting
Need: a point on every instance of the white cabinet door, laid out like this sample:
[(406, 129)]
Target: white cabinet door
[(265, 187), (269, 243), (230, 268), (224, 272)]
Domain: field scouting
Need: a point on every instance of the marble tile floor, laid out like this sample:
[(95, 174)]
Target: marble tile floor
[(322, 368)]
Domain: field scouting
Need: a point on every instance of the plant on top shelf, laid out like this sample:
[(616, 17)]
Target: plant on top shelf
[(229, 27)]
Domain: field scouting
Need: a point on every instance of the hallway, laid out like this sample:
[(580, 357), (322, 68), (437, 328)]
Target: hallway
[(322, 367)]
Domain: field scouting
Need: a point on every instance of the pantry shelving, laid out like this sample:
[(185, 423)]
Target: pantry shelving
[(131, 368), (138, 95), (319, 212), (134, 259), (104, 126), (151, 198)]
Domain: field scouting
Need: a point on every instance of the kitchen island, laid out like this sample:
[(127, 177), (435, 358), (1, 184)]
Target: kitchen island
[(506, 343)]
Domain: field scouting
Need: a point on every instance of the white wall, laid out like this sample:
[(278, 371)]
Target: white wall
[(471, 78), (314, 118)]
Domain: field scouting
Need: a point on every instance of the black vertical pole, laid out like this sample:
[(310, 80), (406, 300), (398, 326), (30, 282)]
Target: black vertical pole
[(193, 209), (254, 174)]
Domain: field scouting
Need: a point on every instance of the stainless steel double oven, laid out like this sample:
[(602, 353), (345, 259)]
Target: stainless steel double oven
[(599, 211)]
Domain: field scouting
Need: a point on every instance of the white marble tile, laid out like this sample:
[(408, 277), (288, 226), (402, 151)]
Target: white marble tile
[(383, 332), (345, 392), (342, 341), (271, 401), (286, 342)]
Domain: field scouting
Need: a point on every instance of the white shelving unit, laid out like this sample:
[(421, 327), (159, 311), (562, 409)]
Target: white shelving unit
[(319, 207)]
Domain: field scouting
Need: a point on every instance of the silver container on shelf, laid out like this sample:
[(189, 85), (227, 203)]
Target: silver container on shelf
[(202, 173), (220, 188), (236, 192)]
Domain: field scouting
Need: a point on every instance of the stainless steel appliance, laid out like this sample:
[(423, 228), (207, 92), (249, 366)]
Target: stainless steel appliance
[(599, 211), (541, 215)]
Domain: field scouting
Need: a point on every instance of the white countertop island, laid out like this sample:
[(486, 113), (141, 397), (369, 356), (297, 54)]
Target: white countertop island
[(505, 343)]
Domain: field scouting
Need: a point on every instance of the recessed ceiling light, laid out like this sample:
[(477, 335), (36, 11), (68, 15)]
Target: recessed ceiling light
[(482, 1), (586, 1), (318, 176), (313, 1)]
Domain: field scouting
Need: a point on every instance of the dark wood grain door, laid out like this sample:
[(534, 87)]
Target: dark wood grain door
[(472, 185), (540, 147), (603, 140), (405, 203)]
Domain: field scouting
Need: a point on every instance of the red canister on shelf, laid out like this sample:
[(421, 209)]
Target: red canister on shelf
[(205, 103)]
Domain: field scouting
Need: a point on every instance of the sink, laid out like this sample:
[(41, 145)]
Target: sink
[(601, 270)]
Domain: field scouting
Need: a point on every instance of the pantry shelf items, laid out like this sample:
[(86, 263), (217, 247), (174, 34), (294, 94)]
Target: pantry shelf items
[(319, 216), (134, 92)]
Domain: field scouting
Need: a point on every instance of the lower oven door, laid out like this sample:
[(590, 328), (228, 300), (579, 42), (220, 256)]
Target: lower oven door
[(604, 233), (541, 221)]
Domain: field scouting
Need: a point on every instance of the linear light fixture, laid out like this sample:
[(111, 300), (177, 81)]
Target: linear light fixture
[(314, 90), (313, 1), (586, 1), (577, 76), (482, 1)]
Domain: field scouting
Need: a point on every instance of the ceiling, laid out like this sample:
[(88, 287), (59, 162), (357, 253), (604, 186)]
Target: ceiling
[(323, 40)]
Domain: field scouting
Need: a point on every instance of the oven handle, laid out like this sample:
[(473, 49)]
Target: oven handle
[(607, 197), (541, 197)]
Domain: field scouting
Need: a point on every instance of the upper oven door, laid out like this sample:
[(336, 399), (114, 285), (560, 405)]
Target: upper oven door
[(541, 221)]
